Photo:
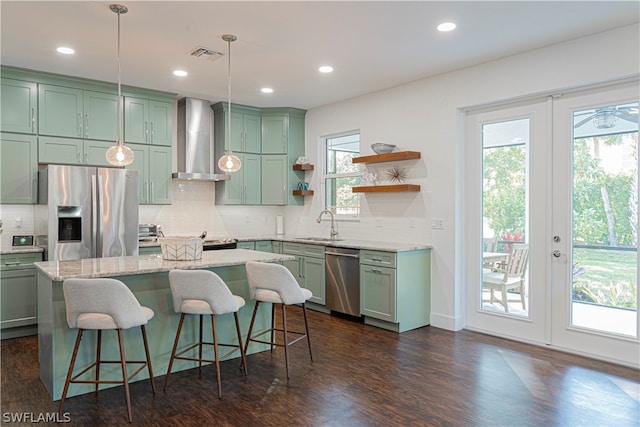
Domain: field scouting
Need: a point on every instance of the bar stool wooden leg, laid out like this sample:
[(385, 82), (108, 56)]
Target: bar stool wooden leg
[(273, 326), (215, 352), (306, 327), (240, 347), (253, 318), (125, 377), (71, 365), (146, 352), (286, 340), (98, 358), (173, 352)]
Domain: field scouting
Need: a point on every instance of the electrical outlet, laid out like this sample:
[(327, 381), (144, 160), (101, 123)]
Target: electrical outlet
[(437, 223)]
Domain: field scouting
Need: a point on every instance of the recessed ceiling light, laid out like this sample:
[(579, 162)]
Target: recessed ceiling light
[(266, 90), (325, 69), (180, 73), (65, 50), (446, 26)]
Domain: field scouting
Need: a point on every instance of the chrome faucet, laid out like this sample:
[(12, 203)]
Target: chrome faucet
[(333, 233)]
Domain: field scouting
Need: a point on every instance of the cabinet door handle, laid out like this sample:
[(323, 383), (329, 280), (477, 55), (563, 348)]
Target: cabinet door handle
[(86, 158), (152, 134), (79, 156), (145, 191), (79, 123), (153, 195), (376, 259), (86, 125), (12, 263), (33, 120), (146, 131), (375, 270)]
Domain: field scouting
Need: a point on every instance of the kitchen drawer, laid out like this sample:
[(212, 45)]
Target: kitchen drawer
[(313, 251), (19, 261), (264, 246), (247, 245), (292, 248), (382, 259)]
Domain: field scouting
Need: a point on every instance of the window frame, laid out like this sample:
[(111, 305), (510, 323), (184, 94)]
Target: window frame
[(326, 176)]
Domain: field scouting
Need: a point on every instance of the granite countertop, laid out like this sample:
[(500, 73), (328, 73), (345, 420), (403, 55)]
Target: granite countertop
[(339, 243), (132, 265), (21, 250)]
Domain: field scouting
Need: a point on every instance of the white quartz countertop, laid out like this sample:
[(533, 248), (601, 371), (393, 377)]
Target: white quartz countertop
[(132, 265), (21, 250), (339, 243)]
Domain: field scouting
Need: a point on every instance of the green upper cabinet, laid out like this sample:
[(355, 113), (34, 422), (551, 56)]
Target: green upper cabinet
[(245, 128), (18, 168), (19, 106), (274, 133), (244, 186), (76, 113), (71, 151), (274, 179), (153, 164), (147, 121)]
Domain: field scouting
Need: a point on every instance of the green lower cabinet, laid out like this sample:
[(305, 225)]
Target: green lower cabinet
[(150, 250), (18, 295), (398, 299), (247, 245), (276, 247), (18, 169), (264, 246), (308, 268)]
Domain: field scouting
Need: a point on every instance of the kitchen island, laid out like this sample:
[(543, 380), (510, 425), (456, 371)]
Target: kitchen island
[(147, 277)]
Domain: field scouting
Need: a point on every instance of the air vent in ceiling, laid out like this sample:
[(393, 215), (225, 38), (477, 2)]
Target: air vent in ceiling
[(205, 53)]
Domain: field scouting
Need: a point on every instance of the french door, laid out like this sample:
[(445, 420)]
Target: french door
[(559, 178)]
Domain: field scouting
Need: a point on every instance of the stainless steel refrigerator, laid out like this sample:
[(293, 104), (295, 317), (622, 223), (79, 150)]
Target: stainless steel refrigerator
[(87, 212)]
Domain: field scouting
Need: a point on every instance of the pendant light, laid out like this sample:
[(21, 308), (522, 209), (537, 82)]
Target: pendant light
[(229, 162), (118, 154)]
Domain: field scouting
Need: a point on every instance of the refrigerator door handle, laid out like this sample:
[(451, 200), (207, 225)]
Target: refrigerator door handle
[(94, 217)]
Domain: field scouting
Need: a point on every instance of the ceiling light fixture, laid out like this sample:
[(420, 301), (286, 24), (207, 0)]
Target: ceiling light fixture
[(65, 50), (266, 90), (180, 73), (118, 154), (325, 69), (446, 26), (229, 162)]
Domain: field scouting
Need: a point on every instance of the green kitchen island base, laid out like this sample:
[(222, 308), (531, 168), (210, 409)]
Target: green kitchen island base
[(148, 278)]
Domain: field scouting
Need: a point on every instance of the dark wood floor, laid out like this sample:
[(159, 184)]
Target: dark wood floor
[(361, 376)]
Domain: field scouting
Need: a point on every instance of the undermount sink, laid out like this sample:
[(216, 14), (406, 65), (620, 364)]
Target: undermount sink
[(318, 239)]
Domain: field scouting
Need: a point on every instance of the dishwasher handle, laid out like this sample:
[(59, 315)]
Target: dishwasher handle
[(356, 256)]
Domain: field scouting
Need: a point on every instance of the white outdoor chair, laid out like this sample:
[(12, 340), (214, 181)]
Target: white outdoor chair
[(512, 276)]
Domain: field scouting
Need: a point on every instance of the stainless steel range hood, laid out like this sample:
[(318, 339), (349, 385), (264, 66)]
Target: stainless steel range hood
[(195, 142)]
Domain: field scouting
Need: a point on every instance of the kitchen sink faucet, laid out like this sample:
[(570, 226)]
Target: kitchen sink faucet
[(333, 233)]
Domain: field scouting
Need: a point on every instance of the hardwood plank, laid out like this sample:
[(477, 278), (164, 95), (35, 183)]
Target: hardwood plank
[(361, 376)]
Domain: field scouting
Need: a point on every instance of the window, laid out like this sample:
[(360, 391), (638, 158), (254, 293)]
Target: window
[(340, 174)]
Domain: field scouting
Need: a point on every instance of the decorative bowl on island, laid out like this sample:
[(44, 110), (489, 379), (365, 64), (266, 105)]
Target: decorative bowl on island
[(382, 148)]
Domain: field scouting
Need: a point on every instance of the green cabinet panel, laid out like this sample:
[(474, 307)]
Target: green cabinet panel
[(398, 299), (100, 116), (18, 169), (247, 245), (264, 246), (308, 268), (245, 128), (274, 179), (149, 250), (18, 294), (147, 121), (378, 292), (153, 164), (19, 108), (276, 247), (71, 151), (274, 134), (244, 186), (60, 111), (251, 133)]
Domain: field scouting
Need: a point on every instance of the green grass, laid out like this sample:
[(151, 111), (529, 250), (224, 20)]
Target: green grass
[(610, 277)]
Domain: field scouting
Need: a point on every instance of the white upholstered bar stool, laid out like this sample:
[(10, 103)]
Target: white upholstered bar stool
[(203, 292), (274, 283), (98, 304)]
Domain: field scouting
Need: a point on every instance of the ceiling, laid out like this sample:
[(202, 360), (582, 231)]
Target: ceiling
[(371, 45)]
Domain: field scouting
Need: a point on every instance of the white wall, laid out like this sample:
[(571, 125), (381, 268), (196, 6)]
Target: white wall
[(426, 116)]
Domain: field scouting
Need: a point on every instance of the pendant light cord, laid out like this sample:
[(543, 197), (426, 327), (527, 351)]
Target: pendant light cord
[(119, 89), (229, 40)]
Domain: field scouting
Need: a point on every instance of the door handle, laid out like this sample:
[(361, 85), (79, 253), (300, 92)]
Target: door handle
[(79, 123), (33, 120), (152, 133), (86, 125), (556, 253)]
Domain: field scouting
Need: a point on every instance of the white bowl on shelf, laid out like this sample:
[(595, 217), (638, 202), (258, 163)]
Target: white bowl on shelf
[(382, 148)]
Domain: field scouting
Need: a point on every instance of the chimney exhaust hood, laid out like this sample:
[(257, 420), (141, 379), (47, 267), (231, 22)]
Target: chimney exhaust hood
[(195, 142)]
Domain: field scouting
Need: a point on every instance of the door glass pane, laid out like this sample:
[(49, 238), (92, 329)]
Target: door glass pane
[(605, 219), (504, 217)]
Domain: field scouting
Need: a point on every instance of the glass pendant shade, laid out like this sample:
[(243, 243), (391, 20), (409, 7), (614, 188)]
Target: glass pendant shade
[(229, 162), (119, 155)]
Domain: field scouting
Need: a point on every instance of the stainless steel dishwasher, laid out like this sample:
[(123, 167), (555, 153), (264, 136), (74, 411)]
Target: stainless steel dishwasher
[(343, 280)]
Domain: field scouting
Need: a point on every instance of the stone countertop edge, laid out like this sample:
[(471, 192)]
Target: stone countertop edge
[(58, 271), (346, 243), (21, 250)]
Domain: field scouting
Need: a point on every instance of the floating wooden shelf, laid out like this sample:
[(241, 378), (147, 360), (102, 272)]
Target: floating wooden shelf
[(302, 167), (303, 192), (388, 157), (386, 188)]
